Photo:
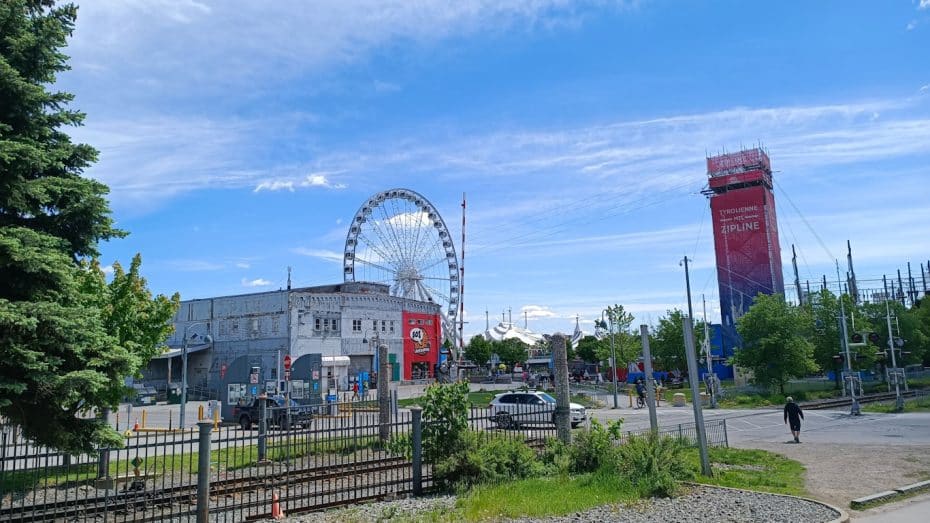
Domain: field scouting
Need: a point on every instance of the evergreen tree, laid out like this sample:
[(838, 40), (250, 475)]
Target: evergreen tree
[(66, 342)]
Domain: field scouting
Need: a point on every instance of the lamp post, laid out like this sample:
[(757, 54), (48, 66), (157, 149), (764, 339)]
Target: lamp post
[(613, 352), (207, 339)]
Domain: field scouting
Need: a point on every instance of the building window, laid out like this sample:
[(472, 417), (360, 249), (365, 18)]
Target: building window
[(412, 322), (392, 326), (317, 324), (383, 325), (429, 322), (356, 325), (374, 325), (334, 324), (419, 322)]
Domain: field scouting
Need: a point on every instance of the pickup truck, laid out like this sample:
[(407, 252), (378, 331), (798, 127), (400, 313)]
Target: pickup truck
[(276, 414)]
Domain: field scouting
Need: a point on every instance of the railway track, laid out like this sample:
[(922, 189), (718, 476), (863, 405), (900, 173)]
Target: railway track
[(845, 402), (142, 505)]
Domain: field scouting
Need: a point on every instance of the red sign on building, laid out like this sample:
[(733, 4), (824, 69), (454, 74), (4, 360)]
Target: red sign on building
[(421, 334)]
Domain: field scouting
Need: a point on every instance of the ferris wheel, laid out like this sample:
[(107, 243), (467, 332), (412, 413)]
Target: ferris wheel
[(397, 237)]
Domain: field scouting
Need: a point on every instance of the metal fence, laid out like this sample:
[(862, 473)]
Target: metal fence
[(230, 473), (715, 430), (335, 459)]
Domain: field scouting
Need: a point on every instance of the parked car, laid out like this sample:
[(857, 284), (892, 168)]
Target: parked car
[(276, 414), (143, 395), (513, 409)]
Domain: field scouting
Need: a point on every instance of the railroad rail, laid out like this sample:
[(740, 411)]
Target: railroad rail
[(141, 505), (846, 402)]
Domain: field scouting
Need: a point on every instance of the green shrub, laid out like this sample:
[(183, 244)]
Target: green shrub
[(445, 419), (478, 460), (653, 463), (554, 458), (593, 448)]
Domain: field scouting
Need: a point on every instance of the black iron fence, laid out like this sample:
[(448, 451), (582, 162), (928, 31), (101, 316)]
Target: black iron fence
[(337, 458), (236, 473)]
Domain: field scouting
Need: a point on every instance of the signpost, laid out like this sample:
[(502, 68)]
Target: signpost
[(287, 390)]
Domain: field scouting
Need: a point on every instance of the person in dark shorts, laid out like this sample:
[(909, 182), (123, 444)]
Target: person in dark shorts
[(793, 417)]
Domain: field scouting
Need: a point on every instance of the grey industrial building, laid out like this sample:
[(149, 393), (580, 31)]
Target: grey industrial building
[(342, 323)]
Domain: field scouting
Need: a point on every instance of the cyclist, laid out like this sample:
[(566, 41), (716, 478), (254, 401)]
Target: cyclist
[(640, 393)]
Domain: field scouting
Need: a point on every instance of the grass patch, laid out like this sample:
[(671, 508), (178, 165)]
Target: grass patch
[(540, 497), (750, 469), (911, 405)]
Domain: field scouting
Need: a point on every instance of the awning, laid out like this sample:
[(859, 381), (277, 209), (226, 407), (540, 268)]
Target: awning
[(172, 352)]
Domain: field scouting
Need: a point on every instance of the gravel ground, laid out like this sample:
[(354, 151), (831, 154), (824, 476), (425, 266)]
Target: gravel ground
[(837, 474), (698, 504)]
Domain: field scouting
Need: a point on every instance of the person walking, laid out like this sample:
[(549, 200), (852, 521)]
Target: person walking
[(354, 390), (793, 417)]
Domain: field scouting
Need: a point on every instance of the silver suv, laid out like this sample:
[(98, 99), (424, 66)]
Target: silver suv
[(513, 409)]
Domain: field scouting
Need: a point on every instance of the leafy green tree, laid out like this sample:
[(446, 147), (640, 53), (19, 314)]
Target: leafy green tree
[(667, 342), (139, 321), (590, 349), (58, 357), (510, 351), (824, 312), (912, 325), (478, 350), (775, 346)]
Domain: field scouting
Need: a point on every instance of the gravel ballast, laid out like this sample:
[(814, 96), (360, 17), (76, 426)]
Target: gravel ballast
[(695, 504)]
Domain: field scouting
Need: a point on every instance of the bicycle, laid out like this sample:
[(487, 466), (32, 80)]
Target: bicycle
[(640, 402)]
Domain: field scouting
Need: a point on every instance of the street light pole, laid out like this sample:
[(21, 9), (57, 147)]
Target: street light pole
[(613, 357)]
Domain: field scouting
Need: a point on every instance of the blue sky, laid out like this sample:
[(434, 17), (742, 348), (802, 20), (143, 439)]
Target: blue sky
[(239, 138)]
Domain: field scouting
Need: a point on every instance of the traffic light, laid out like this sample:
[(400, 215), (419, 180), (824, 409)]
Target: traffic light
[(857, 337), (838, 358), (874, 338)]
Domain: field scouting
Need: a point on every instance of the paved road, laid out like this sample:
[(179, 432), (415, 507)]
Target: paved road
[(767, 425), (914, 510)]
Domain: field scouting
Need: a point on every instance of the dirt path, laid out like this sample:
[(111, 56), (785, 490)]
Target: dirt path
[(839, 473)]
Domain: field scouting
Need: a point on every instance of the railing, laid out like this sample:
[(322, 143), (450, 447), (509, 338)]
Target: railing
[(715, 430), (335, 459)]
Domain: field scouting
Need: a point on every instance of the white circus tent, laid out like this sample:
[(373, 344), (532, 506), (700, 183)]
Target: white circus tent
[(506, 331)]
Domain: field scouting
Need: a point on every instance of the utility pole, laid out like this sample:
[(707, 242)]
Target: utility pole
[(898, 401), (854, 410), (797, 279), (711, 375), (650, 384), (696, 398)]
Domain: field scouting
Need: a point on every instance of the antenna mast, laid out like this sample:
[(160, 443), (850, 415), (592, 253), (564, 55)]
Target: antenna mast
[(462, 287)]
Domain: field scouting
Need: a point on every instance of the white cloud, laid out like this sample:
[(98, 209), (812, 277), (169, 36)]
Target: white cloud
[(243, 265), (911, 25), (925, 88), (323, 254), (275, 185), (316, 180), (245, 41), (107, 269), (258, 282), (320, 180), (924, 4), (536, 311)]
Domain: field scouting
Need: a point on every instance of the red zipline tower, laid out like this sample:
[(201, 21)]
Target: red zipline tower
[(745, 230)]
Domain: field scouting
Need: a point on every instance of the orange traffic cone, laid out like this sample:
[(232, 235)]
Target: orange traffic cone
[(276, 511), (135, 427)]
